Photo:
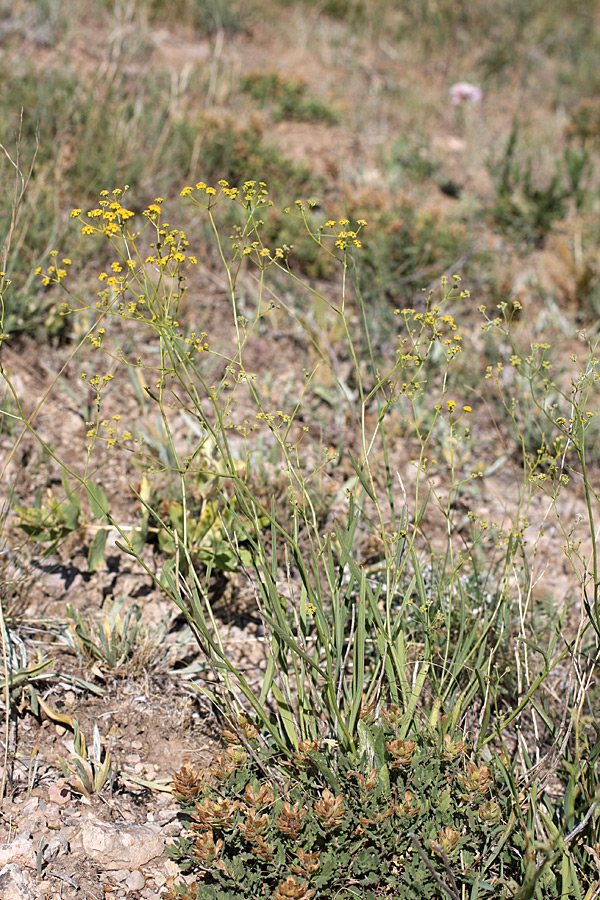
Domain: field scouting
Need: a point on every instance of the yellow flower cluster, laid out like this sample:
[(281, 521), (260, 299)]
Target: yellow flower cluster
[(108, 217), (198, 341), (436, 326), (264, 256), (54, 274), (154, 210), (170, 250), (274, 419), (451, 408), (107, 431), (346, 237), (250, 195)]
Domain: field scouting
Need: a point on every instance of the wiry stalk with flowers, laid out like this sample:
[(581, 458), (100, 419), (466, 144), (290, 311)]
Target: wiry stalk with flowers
[(349, 766)]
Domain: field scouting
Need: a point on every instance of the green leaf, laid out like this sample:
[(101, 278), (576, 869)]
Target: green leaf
[(361, 477), (167, 577), (70, 514), (374, 744), (97, 500), (286, 714), (96, 551), (71, 496), (124, 548), (138, 536), (444, 800)]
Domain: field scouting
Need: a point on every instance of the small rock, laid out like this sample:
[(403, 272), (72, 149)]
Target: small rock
[(120, 875), (166, 815), (52, 812), (136, 881), (14, 884), (72, 812), (31, 806), (128, 816), (119, 846), (171, 868), (18, 851), (59, 792), (58, 845)]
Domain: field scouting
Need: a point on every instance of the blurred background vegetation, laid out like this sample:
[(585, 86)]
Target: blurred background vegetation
[(347, 103)]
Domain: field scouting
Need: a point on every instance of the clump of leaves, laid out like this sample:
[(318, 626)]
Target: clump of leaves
[(52, 520), (529, 206), (89, 769), (111, 641), (203, 520), (404, 819), (208, 16), (238, 154), (290, 96), (584, 122)]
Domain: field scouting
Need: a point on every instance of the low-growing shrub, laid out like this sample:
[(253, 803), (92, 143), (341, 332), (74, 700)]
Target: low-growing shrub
[(405, 818), (290, 98)]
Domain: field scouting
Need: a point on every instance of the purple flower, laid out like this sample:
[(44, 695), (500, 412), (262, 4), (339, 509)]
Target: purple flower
[(462, 92)]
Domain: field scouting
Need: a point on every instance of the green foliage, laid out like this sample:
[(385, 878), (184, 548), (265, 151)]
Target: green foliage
[(211, 532), (23, 679), (204, 522), (529, 207), (409, 162), (289, 97), (427, 627), (112, 642), (356, 14), (379, 585), (87, 155), (404, 249), (404, 818), (238, 154), (88, 770), (568, 419), (207, 16), (53, 520), (23, 675)]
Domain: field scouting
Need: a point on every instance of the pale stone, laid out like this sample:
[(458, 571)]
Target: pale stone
[(120, 875), (119, 846), (19, 851), (14, 885), (136, 881)]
